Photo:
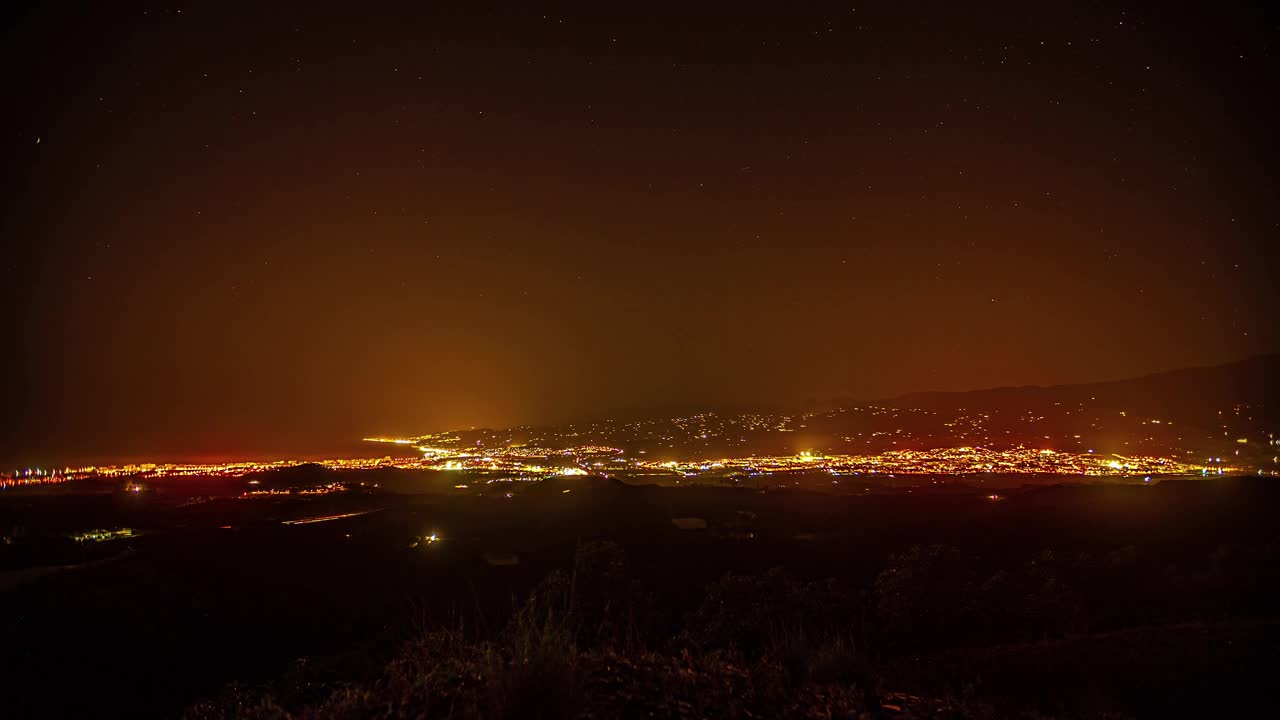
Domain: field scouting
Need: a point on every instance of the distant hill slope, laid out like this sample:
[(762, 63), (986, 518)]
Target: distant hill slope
[(1252, 383)]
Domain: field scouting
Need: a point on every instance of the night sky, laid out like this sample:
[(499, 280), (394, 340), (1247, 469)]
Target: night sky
[(248, 229)]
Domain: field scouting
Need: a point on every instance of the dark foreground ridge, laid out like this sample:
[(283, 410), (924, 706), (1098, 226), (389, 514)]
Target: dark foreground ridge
[(585, 597)]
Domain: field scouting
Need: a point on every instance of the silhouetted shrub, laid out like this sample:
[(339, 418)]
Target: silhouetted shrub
[(535, 675), (238, 702), (598, 602), (1026, 602), (739, 610), (922, 597), (770, 613)]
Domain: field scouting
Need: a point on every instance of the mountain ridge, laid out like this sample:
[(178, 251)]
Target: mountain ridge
[(1247, 385)]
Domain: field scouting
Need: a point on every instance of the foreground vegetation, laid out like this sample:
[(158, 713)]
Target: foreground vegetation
[(939, 634)]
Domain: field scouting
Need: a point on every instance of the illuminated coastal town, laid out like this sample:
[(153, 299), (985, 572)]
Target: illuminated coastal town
[(555, 454), (535, 463), (1088, 438)]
